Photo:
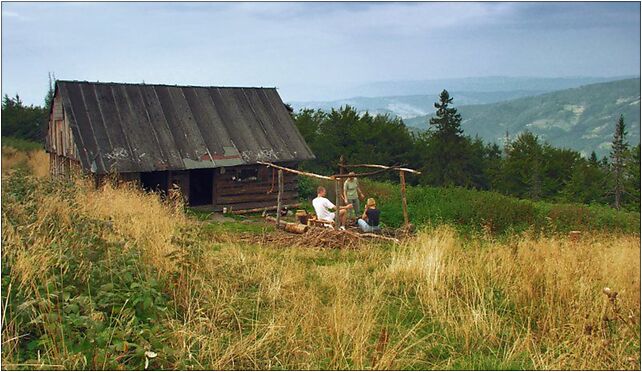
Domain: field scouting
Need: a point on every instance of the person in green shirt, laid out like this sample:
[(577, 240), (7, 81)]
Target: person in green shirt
[(351, 193)]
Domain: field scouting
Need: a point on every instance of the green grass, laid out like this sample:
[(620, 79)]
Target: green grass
[(110, 302), (235, 227), (21, 144), (472, 211)]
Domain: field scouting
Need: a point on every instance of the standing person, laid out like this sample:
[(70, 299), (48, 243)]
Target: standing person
[(322, 208), (369, 221), (352, 192)]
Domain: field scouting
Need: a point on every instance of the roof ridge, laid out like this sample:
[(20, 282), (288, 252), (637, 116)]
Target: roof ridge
[(162, 85)]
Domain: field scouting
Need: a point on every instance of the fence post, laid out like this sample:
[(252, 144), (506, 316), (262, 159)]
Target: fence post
[(278, 198), (404, 203), (337, 186)]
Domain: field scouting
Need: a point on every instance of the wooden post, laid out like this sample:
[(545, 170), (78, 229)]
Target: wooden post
[(404, 202), (337, 187), (278, 198), (342, 170)]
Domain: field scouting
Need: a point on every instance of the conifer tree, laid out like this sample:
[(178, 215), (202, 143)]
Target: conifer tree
[(50, 92), (448, 121), (448, 151), (619, 149)]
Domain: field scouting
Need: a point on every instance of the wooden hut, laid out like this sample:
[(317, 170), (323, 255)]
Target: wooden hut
[(204, 140)]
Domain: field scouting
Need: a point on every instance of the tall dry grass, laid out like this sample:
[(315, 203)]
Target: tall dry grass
[(541, 298), (37, 161), (438, 301)]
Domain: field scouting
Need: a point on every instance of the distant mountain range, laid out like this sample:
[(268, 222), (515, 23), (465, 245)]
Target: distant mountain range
[(414, 105), (577, 113), (581, 118), (409, 99)]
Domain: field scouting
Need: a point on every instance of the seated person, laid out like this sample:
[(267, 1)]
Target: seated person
[(322, 208), (369, 221)]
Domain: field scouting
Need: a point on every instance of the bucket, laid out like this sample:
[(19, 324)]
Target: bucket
[(302, 216)]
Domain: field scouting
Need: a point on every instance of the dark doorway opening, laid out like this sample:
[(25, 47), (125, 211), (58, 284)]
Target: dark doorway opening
[(200, 186), (154, 181)]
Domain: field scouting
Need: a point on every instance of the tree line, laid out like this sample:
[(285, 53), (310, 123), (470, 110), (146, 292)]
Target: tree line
[(26, 122), (525, 167)]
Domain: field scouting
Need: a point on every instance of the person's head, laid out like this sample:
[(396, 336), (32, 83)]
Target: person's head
[(371, 203), (352, 175), (321, 191)]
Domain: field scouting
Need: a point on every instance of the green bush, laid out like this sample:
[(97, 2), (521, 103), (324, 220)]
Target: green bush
[(98, 297), (476, 210)]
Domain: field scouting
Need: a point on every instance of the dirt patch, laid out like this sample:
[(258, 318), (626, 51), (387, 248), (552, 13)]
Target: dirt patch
[(220, 217)]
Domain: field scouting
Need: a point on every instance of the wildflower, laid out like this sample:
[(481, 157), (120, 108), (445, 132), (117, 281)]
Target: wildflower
[(149, 355)]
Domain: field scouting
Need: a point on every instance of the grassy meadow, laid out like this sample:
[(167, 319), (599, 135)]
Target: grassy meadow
[(114, 278)]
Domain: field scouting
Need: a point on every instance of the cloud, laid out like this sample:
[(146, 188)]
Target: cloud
[(312, 45), (14, 15)]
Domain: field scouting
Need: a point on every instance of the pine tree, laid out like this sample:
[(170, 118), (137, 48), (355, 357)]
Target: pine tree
[(619, 149), (447, 155), (50, 92), (447, 121), (593, 160)]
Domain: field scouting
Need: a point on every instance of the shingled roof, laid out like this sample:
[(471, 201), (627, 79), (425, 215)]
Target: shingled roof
[(149, 127)]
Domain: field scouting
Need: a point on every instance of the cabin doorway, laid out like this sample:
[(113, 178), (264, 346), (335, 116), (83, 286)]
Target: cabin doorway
[(154, 181), (200, 186)]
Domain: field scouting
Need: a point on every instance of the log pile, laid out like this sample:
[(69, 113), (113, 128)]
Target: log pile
[(314, 238), (321, 237)]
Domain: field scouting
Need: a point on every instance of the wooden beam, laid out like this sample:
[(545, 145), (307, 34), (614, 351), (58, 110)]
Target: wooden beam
[(357, 175), (278, 198), (404, 202), (382, 167), (264, 209), (308, 174)]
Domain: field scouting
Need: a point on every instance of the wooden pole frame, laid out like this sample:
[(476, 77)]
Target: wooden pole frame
[(308, 174), (337, 184)]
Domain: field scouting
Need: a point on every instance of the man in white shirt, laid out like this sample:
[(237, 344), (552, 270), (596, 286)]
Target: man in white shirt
[(322, 208)]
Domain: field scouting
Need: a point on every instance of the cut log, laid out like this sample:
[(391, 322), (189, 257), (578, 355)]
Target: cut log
[(271, 208), (296, 228)]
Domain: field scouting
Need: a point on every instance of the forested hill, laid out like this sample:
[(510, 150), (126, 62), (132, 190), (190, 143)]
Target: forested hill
[(581, 118)]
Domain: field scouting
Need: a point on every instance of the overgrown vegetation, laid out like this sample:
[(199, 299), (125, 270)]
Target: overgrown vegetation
[(526, 167), (474, 211), (114, 278)]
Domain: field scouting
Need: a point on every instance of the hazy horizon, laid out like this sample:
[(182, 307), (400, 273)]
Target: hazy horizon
[(313, 51)]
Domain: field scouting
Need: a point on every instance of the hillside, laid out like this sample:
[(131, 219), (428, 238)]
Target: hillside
[(412, 106), (580, 118), (408, 99)]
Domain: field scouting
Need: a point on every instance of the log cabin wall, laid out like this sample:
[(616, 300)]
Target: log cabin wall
[(235, 188), (252, 186), (63, 153)]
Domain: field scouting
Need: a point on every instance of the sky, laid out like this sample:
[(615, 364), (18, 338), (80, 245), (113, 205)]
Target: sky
[(311, 51)]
